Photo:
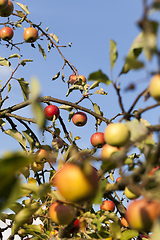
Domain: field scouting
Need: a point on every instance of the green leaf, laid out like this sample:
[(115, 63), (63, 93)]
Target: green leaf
[(35, 89), (25, 88), (18, 136), (115, 230), (24, 61), (9, 87), (99, 76), (134, 63), (39, 114), (129, 234), (14, 56), (94, 85), (30, 139), (4, 62), (135, 50), (42, 51), (113, 53), (96, 108), (56, 76), (24, 7), (66, 107)]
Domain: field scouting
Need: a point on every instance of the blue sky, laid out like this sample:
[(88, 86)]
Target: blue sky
[(89, 26)]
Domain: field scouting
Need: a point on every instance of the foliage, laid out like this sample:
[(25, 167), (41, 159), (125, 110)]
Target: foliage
[(31, 199)]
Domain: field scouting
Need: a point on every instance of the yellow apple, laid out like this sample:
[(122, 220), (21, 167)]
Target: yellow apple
[(129, 194), (116, 134), (154, 87)]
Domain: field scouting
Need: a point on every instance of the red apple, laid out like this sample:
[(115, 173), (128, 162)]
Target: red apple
[(75, 183), (117, 134), (79, 119), (107, 205), (6, 33), (30, 34), (50, 111), (141, 214), (3, 4), (83, 78), (73, 78), (62, 214), (97, 139), (6, 12), (119, 178)]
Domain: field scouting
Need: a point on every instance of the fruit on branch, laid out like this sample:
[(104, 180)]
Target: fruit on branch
[(50, 111), (58, 142), (108, 205), (62, 214), (76, 183), (129, 194), (79, 119), (73, 78), (3, 4), (30, 35), (36, 167), (107, 151), (6, 12), (119, 178), (97, 139), (154, 87), (141, 214), (41, 155), (116, 134), (6, 33)]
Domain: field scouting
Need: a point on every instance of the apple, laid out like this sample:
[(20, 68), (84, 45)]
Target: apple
[(30, 34), (116, 134), (119, 178), (41, 155), (108, 205), (73, 78), (61, 214), (97, 139), (107, 151), (3, 4), (141, 214), (129, 194), (50, 111), (6, 12), (79, 119), (6, 33), (58, 142), (124, 222), (75, 183), (36, 167), (154, 87)]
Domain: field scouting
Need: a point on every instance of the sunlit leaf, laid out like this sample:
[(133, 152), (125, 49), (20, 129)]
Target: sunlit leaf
[(24, 87), (101, 91), (9, 87), (56, 76), (24, 61), (129, 234), (94, 85), (30, 139), (24, 7), (66, 107), (99, 76), (18, 136), (14, 56), (113, 53), (4, 62), (42, 51)]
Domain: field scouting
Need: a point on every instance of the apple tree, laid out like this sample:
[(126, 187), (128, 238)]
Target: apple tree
[(59, 184)]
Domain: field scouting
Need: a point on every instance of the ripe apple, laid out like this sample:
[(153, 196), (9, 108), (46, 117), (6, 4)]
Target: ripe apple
[(154, 87), (108, 205), (107, 150), (30, 34), (116, 134), (41, 155), (119, 178), (124, 222), (76, 184), (141, 214), (129, 194), (73, 78), (36, 167), (97, 139), (6, 12), (62, 214), (79, 119), (58, 142), (6, 33), (3, 4), (50, 111)]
